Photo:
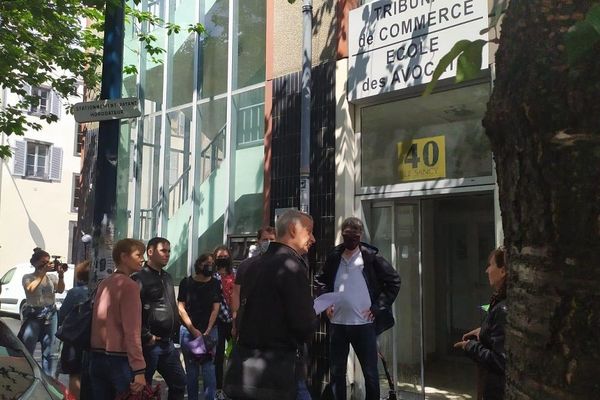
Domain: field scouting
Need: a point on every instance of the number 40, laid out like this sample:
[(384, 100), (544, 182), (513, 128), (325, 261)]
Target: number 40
[(430, 155)]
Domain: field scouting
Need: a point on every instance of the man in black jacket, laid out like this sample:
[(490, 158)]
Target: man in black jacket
[(160, 318), (277, 306), (367, 285)]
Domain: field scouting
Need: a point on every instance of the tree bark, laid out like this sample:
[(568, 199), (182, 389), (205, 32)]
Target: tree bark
[(543, 121)]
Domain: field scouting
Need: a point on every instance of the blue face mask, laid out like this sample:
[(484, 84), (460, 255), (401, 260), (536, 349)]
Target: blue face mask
[(264, 245)]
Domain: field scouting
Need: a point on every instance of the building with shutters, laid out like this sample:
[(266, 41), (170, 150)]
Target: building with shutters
[(39, 185)]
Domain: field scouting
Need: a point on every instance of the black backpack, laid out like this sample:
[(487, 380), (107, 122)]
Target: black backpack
[(76, 329)]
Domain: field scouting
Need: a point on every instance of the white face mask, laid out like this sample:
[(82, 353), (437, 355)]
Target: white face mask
[(264, 245)]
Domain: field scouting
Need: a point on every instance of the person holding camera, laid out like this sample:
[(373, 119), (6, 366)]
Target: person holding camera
[(40, 319)]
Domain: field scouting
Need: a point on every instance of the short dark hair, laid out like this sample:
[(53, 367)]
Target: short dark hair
[(126, 246), (37, 255), (82, 271), (155, 241), (202, 258), (353, 223), (265, 229)]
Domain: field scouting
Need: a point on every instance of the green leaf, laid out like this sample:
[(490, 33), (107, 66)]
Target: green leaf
[(5, 151), (130, 70), (445, 62), (593, 17), (579, 40), (583, 36), (469, 62)]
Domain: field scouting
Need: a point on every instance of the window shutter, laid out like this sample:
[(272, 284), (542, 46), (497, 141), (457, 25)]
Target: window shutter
[(56, 156), (55, 103), (19, 158)]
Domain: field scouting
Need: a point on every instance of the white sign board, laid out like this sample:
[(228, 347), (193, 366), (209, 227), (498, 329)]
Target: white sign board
[(104, 110), (396, 44)]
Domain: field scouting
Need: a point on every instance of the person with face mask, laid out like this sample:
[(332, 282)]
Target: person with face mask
[(368, 285), (199, 301), (224, 266), (264, 237)]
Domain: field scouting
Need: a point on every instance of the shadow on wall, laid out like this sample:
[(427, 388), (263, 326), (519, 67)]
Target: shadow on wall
[(34, 229), (178, 267)]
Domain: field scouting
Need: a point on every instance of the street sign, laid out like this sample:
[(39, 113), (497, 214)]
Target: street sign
[(103, 110)]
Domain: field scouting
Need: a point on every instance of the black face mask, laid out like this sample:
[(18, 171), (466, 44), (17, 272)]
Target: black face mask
[(206, 270), (351, 241), (223, 263)]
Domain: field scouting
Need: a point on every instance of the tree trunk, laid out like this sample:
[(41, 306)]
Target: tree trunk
[(543, 122)]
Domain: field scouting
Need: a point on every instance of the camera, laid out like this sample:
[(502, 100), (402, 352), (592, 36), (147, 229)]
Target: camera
[(58, 265)]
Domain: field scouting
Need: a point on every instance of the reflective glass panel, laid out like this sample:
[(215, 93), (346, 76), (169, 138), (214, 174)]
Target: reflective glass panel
[(251, 43), (212, 52), (425, 138)]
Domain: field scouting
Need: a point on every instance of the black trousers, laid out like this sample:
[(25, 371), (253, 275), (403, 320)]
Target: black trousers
[(224, 335)]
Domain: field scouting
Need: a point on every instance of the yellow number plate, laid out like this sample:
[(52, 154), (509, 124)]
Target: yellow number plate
[(422, 159)]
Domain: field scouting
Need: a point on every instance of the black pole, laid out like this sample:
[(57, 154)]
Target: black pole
[(105, 185)]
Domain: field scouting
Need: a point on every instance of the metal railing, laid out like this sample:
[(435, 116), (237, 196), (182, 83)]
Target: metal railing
[(212, 156), (148, 221), (178, 192)]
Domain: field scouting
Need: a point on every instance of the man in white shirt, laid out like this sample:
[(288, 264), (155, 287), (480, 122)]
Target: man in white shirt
[(368, 285)]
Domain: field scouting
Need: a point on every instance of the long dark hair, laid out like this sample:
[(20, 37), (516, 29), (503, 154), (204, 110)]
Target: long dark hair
[(201, 259), (229, 267), (499, 257), (37, 255)]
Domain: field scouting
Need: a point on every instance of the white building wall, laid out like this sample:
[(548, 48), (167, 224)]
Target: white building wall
[(34, 212)]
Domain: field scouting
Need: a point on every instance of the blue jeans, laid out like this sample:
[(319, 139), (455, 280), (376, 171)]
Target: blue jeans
[(109, 375), (302, 391), (192, 368), (164, 358), (37, 330), (364, 342)]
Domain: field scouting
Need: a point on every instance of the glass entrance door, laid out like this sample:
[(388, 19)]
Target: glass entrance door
[(439, 246), (394, 229)]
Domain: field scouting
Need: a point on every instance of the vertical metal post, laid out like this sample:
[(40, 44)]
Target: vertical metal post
[(305, 107), (105, 184)]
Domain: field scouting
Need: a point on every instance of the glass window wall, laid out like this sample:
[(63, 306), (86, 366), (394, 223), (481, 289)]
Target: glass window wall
[(251, 43), (195, 68), (425, 138), (212, 51)]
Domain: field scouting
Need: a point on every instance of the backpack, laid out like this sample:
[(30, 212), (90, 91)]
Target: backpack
[(76, 328)]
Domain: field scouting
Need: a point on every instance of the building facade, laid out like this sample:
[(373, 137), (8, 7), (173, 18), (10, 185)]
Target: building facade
[(216, 155), (39, 185)]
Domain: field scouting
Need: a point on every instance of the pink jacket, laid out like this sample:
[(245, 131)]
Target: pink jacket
[(117, 320)]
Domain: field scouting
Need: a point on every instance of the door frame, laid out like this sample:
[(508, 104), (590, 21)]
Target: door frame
[(364, 205)]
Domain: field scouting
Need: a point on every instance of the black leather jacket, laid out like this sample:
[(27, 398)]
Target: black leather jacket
[(488, 352), (160, 315), (382, 281)]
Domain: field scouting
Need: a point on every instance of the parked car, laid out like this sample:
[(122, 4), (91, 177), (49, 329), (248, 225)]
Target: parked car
[(20, 376), (12, 295)]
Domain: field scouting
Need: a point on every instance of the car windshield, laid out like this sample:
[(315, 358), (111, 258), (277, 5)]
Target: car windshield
[(16, 374)]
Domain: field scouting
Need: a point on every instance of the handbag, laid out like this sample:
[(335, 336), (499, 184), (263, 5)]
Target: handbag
[(76, 328), (202, 348), (265, 374)]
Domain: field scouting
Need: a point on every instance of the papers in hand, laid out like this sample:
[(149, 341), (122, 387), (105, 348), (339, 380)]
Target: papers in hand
[(324, 301)]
